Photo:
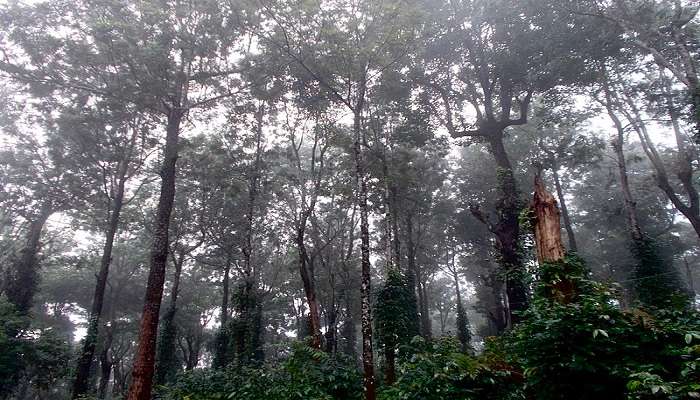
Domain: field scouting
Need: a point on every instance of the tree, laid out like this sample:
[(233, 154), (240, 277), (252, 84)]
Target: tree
[(346, 33)]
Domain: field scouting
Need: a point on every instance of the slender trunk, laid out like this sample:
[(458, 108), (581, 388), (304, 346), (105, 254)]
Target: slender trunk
[(348, 330), (507, 230), (82, 373), (144, 361), (564, 212), (332, 329), (425, 321), (630, 205), (24, 276), (366, 290), (689, 277), (309, 289), (390, 368), (395, 226), (411, 270), (105, 365), (691, 208), (463, 333), (225, 295)]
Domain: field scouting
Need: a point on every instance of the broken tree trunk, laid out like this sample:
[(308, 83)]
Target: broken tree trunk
[(547, 225), (550, 250)]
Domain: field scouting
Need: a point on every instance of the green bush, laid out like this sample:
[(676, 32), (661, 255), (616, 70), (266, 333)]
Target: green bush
[(29, 355), (306, 374), (440, 370), (590, 348)]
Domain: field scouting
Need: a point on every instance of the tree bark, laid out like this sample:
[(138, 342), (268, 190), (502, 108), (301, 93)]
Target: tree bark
[(361, 182), (225, 294), (105, 364), (547, 224), (462, 331), (565, 212), (144, 362), (411, 271), (166, 348), (23, 278), (82, 374), (309, 289), (507, 230)]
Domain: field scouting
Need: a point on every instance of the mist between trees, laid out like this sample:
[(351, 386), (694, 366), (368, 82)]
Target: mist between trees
[(367, 199)]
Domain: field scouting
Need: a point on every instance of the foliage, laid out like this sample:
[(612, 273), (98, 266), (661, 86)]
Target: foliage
[(28, 355), (560, 344), (306, 374), (394, 319), (656, 282), (440, 370)]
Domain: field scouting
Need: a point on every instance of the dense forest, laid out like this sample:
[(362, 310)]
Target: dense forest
[(349, 199)]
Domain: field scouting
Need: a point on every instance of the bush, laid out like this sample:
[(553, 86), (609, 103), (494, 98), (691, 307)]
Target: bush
[(440, 370), (306, 374), (590, 348)]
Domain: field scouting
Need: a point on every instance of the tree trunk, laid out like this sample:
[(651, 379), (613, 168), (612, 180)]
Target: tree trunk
[(166, 352), (691, 208), (82, 373), (411, 269), (105, 365), (507, 230), (366, 290), (225, 295), (463, 333), (689, 277), (548, 241), (565, 212), (309, 289), (390, 368), (425, 321), (20, 285), (144, 361), (630, 205), (547, 224), (332, 330)]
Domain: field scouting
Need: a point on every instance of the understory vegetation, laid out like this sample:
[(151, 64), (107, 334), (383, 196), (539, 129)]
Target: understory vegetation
[(349, 199)]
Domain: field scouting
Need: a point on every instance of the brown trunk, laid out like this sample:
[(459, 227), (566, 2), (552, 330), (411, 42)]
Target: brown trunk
[(366, 290), (507, 230), (144, 361), (309, 290), (548, 239), (82, 374), (23, 276), (547, 226), (565, 212)]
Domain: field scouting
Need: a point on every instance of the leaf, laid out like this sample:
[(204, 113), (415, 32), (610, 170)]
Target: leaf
[(688, 338), (597, 332)]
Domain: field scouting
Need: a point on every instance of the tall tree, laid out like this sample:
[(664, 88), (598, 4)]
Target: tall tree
[(371, 37)]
